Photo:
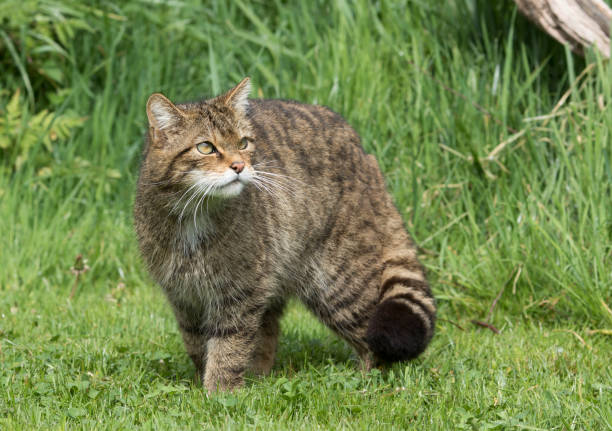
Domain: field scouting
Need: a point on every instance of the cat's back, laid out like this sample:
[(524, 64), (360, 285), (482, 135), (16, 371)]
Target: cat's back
[(311, 141), (299, 116), (336, 191)]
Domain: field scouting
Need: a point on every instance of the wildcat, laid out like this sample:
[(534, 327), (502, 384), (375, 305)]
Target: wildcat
[(243, 203)]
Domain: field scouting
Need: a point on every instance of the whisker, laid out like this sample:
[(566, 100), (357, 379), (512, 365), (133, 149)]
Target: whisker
[(279, 182), (195, 213), (193, 195), (256, 184), (214, 187), (264, 187), (186, 191), (276, 187), (263, 183), (287, 177), (200, 204), (282, 186)]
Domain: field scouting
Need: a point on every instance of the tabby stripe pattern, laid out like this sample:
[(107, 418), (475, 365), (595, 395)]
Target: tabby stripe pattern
[(406, 285), (299, 211)]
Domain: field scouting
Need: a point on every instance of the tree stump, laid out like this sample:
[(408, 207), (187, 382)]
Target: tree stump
[(578, 23)]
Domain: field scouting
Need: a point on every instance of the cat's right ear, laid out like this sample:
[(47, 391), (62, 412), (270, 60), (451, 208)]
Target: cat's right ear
[(162, 113)]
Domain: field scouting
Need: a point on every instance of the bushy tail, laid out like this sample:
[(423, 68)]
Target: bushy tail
[(404, 320)]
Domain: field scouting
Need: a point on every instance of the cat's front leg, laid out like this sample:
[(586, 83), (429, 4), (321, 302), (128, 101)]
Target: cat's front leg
[(194, 336), (228, 358), (195, 345)]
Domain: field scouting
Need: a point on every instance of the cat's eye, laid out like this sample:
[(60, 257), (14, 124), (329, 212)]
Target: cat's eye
[(244, 143), (206, 148)]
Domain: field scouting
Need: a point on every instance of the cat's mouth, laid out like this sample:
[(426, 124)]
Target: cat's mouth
[(232, 188), (230, 184), (236, 181), (239, 179)]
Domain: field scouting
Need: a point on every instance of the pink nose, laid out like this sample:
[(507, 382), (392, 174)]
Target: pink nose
[(237, 166)]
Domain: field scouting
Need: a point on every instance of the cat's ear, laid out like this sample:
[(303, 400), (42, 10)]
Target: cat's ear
[(162, 113), (237, 97)]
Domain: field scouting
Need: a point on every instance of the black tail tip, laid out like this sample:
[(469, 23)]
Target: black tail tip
[(395, 333)]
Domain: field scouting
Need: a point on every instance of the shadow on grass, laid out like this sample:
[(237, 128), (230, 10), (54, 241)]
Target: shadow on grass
[(305, 344), (298, 350), (302, 349)]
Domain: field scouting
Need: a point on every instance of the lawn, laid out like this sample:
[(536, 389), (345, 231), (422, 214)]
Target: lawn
[(495, 142)]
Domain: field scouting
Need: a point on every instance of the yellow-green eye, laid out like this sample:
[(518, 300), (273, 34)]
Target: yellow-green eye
[(244, 142), (206, 147)]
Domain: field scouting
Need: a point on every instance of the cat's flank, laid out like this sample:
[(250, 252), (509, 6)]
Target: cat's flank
[(242, 204)]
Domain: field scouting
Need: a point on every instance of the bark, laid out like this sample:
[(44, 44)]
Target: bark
[(578, 23)]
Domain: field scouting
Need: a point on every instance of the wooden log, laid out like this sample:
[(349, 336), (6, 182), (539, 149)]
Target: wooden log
[(578, 23)]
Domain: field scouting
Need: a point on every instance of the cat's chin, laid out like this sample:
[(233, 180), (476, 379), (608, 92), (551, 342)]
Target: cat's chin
[(230, 190)]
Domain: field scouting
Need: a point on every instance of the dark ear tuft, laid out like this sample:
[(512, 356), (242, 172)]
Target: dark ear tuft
[(237, 97), (162, 113)]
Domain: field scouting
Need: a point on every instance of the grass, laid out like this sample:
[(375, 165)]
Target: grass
[(121, 365), (495, 143)]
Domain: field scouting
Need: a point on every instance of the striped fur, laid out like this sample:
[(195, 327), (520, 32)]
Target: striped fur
[(289, 204), (404, 320)]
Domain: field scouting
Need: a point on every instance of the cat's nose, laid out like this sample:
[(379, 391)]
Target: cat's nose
[(237, 166)]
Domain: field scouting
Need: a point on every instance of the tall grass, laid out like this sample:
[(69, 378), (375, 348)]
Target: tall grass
[(495, 141)]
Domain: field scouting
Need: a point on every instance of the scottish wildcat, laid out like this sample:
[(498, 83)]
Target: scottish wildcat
[(243, 203)]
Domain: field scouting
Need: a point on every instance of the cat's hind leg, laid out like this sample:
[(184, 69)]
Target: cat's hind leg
[(267, 341), (348, 304)]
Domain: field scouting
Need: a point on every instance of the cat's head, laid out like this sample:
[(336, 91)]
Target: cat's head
[(205, 146)]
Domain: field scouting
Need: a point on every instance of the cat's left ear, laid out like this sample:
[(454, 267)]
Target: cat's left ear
[(237, 97), (162, 113)]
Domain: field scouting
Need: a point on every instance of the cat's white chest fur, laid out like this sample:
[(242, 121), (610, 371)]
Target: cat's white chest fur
[(192, 231)]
